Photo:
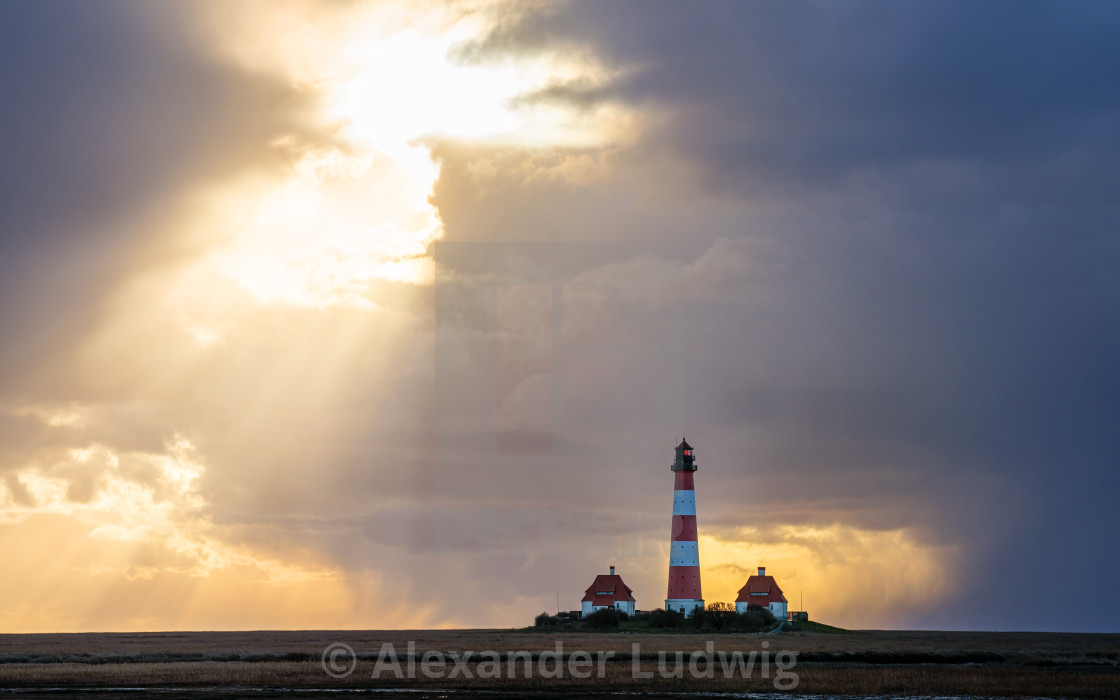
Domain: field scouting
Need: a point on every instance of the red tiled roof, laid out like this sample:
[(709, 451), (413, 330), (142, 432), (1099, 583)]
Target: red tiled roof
[(607, 582), (761, 584)]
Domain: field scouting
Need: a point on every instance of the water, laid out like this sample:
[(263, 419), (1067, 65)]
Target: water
[(264, 693)]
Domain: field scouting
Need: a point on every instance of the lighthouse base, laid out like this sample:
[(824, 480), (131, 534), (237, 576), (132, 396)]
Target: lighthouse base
[(686, 606)]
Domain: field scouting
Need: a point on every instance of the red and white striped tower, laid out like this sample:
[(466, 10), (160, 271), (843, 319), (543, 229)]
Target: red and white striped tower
[(684, 556)]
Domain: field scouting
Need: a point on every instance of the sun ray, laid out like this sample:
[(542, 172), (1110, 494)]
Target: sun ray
[(359, 211)]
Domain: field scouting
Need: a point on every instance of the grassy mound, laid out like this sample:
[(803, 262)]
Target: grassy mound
[(818, 627)]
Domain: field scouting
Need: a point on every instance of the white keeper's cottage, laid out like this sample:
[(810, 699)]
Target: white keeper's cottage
[(608, 591), (763, 591)]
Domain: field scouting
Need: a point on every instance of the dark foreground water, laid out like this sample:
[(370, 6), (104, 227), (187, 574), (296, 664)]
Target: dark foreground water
[(230, 693)]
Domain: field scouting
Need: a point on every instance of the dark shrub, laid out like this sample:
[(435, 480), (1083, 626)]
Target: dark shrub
[(544, 620), (720, 616), (665, 618), (602, 619), (697, 618), (754, 619)]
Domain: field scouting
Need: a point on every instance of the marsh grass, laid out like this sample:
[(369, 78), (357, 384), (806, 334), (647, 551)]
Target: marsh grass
[(866, 663), (813, 679)]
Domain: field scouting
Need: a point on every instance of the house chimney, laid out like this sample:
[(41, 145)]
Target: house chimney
[(762, 571), (612, 571)]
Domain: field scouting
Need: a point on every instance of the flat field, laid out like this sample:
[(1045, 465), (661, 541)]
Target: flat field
[(466, 663)]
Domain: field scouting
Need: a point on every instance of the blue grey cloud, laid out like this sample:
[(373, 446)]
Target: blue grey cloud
[(932, 339)]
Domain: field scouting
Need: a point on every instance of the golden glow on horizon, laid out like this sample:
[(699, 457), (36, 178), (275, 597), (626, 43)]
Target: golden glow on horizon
[(849, 576), (144, 540), (146, 521)]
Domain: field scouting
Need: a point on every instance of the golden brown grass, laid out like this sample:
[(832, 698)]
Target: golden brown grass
[(312, 643), (813, 679), (864, 663)]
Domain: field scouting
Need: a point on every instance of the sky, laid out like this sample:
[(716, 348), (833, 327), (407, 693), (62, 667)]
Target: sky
[(389, 315)]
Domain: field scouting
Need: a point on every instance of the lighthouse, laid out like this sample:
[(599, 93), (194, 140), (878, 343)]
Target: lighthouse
[(684, 557)]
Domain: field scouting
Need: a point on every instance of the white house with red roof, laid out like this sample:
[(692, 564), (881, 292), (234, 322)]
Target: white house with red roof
[(608, 591), (763, 591)]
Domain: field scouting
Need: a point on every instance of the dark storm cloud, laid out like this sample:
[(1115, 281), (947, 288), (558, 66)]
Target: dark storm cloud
[(110, 111), (804, 91), (931, 343)]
